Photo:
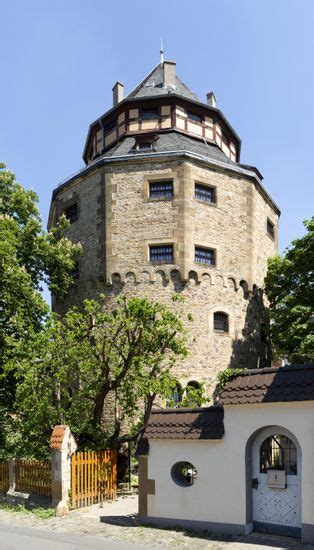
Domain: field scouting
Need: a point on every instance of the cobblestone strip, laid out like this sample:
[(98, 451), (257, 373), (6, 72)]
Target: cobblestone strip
[(125, 528)]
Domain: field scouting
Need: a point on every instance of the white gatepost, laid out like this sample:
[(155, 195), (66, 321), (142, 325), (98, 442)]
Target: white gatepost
[(62, 445)]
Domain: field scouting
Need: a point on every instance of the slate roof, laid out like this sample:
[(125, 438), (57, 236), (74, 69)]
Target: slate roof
[(172, 141), (198, 423), (153, 85), (281, 384)]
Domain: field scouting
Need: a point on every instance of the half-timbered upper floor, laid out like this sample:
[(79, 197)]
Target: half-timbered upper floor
[(159, 104)]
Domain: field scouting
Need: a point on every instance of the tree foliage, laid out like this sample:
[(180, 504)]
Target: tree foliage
[(289, 286), (99, 370), (190, 396), (29, 257)]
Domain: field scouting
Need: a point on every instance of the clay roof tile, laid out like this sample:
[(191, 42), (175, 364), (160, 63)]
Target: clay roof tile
[(57, 436), (289, 383)]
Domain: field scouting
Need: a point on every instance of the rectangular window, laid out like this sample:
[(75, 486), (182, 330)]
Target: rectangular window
[(204, 193), (204, 255), (270, 229), (142, 147), (161, 189), (195, 117), (149, 114), (71, 213), (75, 273), (111, 126), (161, 253), (221, 322), (145, 146), (225, 140)]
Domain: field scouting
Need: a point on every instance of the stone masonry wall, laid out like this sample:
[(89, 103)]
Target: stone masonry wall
[(117, 223), (87, 230)]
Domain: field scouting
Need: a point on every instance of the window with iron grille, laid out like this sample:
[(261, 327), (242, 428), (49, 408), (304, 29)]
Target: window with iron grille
[(270, 229), (278, 452), (204, 255), (204, 193), (149, 114), (162, 253), (194, 117), (221, 321), (71, 213), (161, 189)]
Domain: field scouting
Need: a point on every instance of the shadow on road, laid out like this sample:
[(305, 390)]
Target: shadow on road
[(260, 539)]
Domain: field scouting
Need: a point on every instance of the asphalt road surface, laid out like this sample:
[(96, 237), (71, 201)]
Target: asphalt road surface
[(13, 537)]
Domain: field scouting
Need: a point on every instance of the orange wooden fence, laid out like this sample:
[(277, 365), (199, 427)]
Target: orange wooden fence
[(4, 477), (93, 477), (33, 476)]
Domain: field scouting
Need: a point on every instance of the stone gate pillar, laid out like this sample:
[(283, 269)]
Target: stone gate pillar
[(62, 445)]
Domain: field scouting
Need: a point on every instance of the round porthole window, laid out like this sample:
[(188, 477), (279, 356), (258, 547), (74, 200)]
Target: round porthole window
[(183, 474)]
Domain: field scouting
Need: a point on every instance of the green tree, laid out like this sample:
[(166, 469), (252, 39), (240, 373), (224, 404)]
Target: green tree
[(190, 396), (99, 370), (289, 286), (29, 257)]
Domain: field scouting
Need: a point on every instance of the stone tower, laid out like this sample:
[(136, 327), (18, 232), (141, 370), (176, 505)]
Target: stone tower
[(165, 206)]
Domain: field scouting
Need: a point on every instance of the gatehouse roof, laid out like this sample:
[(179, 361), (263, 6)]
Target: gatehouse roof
[(278, 384), (197, 423)]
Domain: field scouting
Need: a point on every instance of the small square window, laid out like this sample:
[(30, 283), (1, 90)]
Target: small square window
[(270, 229), (205, 193), (195, 117), (204, 255), (71, 213), (161, 189), (149, 114), (161, 253)]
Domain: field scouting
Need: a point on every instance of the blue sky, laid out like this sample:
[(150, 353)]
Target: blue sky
[(59, 61)]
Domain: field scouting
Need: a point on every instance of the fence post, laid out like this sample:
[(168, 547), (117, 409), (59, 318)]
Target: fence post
[(62, 445), (12, 475)]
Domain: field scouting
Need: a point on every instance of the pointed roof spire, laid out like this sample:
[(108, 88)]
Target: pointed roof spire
[(161, 52)]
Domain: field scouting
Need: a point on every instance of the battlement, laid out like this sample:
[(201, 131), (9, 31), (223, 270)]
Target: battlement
[(195, 277)]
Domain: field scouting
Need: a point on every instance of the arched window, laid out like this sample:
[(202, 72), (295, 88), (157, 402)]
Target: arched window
[(192, 385), (175, 396), (278, 452), (221, 321), (193, 394)]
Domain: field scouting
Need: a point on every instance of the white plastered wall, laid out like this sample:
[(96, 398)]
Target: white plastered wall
[(219, 493)]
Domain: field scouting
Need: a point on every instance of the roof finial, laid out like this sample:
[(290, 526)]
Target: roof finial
[(161, 52)]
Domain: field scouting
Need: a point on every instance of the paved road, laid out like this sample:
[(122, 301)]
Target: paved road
[(115, 526), (13, 537)]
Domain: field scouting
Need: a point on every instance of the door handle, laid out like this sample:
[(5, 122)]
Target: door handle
[(255, 483)]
